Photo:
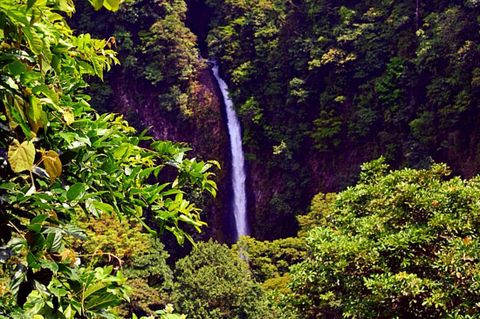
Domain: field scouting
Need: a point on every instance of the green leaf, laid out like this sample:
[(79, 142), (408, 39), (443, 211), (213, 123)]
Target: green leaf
[(95, 287), (97, 4), (39, 219), (122, 150), (7, 186), (58, 291), (21, 156), (111, 5), (30, 3), (101, 301), (16, 68), (36, 116), (53, 266), (66, 6), (54, 239), (69, 312), (32, 261), (17, 244), (106, 208), (76, 192), (76, 232), (34, 40), (36, 223)]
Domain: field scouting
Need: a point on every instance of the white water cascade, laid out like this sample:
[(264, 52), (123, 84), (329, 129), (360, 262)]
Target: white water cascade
[(238, 160)]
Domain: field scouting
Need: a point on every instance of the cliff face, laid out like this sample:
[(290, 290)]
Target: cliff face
[(333, 172), (274, 187), (203, 130)]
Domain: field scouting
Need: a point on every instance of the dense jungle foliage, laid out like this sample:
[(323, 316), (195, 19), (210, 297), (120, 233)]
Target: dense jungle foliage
[(318, 83), (320, 86), (62, 161), (158, 54), (84, 196), (398, 244), (160, 82)]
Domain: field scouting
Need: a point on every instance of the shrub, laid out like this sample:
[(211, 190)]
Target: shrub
[(214, 282), (400, 244)]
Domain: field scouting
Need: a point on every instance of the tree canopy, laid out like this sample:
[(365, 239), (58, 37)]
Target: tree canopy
[(399, 244)]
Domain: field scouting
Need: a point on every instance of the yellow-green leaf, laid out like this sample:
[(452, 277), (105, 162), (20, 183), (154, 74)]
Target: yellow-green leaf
[(21, 156), (111, 5), (36, 116), (69, 312), (66, 6), (53, 164), (68, 116), (97, 4)]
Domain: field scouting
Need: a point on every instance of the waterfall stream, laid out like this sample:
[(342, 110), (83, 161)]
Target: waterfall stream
[(239, 201)]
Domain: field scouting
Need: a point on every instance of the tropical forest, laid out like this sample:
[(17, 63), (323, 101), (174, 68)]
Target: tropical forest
[(239, 159)]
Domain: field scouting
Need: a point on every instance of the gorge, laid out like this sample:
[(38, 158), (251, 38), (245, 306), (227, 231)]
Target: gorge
[(340, 136), (311, 111)]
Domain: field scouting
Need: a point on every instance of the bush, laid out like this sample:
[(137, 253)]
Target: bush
[(401, 244), (214, 282)]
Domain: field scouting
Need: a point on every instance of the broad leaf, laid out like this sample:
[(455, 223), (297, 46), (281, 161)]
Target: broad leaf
[(52, 163), (36, 116), (106, 208), (21, 156), (76, 191)]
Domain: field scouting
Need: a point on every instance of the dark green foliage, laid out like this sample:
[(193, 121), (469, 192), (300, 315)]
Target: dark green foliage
[(400, 244), (329, 79), (214, 282), (157, 52), (270, 260), (61, 160), (139, 255)]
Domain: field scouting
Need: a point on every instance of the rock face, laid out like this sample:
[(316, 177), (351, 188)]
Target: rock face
[(204, 131)]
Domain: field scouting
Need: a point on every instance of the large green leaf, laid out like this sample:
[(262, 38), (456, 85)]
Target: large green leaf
[(106, 208), (36, 116), (36, 223), (16, 68), (76, 191)]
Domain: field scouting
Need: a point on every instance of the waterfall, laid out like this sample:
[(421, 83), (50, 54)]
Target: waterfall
[(238, 161)]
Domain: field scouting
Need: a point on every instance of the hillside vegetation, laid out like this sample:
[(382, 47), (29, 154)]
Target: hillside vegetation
[(323, 86), (348, 109)]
